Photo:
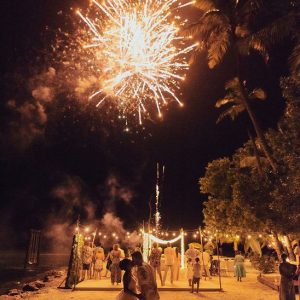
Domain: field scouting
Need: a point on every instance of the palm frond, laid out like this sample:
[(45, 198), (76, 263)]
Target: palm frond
[(248, 9), (223, 101), (271, 34), (242, 31), (259, 94), (232, 112), (277, 30), (205, 5), (245, 45), (233, 87), (214, 31), (218, 47), (232, 84), (208, 23)]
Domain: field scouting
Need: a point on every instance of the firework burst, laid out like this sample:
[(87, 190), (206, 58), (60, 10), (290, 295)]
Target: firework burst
[(137, 53)]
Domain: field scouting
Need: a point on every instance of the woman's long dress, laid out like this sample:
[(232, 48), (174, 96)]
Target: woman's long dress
[(133, 287), (286, 289), (239, 268), (115, 270)]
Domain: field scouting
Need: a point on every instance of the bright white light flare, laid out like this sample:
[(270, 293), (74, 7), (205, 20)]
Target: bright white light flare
[(135, 48)]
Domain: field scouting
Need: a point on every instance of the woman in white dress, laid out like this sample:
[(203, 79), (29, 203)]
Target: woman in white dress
[(129, 291)]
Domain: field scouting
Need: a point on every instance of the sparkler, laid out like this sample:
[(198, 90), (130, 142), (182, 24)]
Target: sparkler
[(135, 48), (157, 197)]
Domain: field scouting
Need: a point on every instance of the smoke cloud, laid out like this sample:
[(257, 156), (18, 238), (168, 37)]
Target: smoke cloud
[(29, 117), (111, 224), (116, 192), (29, 122), (73, 199)]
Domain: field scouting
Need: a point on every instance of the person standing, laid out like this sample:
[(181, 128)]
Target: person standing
[(189, 271), (145, 276), (115, 256), (177, 263), (287, 272), (155, 260), (87, 258), (205, 263), (239, 268), (108, 262), (169, 254), (99, 260), (196, 274)]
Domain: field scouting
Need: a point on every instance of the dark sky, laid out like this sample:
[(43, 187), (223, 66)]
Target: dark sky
[(77, 143)]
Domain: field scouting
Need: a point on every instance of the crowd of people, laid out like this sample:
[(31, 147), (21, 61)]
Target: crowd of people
[(96, 264), (139, 277)]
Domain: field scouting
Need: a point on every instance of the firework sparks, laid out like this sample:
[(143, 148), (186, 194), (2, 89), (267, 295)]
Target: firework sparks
[(135, 48)]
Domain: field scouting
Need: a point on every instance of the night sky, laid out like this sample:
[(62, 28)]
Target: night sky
[(76, 146)]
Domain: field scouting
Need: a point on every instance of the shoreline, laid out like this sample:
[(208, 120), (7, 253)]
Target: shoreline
[(28, 276)]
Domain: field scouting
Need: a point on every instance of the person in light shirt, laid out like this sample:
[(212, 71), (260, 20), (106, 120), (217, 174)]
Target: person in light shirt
[(205, 263), (169, 254)]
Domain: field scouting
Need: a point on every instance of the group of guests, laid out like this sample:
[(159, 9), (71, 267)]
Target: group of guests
[(94, 260), (139, 279), (198, 263)]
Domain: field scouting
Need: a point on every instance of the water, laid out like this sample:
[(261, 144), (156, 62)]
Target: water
[(13, 274)]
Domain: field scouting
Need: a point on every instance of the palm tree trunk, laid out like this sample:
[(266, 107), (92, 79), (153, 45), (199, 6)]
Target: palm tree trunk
[(259, 167), (257, 128)]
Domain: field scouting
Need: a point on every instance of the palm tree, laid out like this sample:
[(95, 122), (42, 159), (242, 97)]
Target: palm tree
[(235, 97), (232, 25)]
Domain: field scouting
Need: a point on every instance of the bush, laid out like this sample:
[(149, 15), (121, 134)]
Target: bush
[(265, 263)]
